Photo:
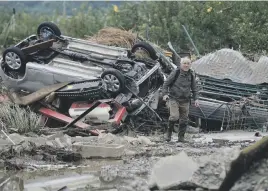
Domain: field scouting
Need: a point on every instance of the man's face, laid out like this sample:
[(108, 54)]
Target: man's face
[(186, 66)]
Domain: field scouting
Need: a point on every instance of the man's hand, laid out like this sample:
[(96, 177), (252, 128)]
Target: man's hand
[(196, 103), (165, 98)]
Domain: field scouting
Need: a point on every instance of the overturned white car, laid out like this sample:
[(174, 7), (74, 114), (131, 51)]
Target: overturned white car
[(49, 58)]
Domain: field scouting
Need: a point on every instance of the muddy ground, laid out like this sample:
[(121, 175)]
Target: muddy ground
[(147, 162)]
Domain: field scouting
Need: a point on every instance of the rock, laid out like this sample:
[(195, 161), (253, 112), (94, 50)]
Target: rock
[(209, 175), (192, 130), (25, 146), (144, 140), (131, 140), (196, 136), (16, 138), (56, 135), (36, 189), (31, 134), (203, 140), (108, 138), (49, 143), (220, 141), (172, 170), (254, 179), (108, 174), (99, 150), (59, 144), (222, 175), (37, 141), (4, 142), (139, 185), (2, 163), (130, 153), (66, 141), (38, 157), (212, 169), (180, 171), (84, 139)]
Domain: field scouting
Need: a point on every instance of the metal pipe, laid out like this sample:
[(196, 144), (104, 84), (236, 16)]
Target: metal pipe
[(7, 136), (191, 40), (145, 104), (171, 48), (215, 111)]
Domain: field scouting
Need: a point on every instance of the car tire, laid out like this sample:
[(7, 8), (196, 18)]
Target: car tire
[(114, 79), (147, 47), (15, 59), (49, 26)]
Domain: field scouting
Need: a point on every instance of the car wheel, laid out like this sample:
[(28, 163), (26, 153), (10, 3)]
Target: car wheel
[(114, 79), (145, 47), (48, 29), (14, 59)]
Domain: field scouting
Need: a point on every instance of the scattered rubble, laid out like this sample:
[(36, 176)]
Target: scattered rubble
[(145, 166)]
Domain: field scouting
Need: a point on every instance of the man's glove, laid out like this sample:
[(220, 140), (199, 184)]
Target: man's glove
[(166, 97), (196, 103)]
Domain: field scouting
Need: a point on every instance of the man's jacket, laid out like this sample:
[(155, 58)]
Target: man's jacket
[(180, 88)]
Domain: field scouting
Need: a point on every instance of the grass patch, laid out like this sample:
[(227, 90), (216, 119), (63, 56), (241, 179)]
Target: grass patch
[(23, 120)]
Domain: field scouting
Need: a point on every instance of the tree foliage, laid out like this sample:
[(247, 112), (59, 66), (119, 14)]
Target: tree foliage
[(212, 24)]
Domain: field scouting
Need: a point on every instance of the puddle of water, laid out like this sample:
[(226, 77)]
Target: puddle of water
[(71, 181), (72, 177)]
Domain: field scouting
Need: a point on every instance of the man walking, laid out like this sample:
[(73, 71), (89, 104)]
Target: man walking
[(177, 91)]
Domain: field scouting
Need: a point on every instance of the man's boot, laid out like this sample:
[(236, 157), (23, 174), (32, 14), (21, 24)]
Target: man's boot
[(169, 130), (182, 130)]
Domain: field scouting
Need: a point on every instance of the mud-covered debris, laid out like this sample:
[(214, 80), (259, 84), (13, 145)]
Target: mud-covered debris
[(183, 172), (65, 188), (88, 150), (4, 142), (130, 153), (38, 141), (16, 138), (109, 139), (247, 159), (34, 150), (203, 140), (56, 135), (126, 140), (212, 169), (108, 174), (11, 183), (254, 179), (64, 142), (192, 130), (145, 140), (136, 184)]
